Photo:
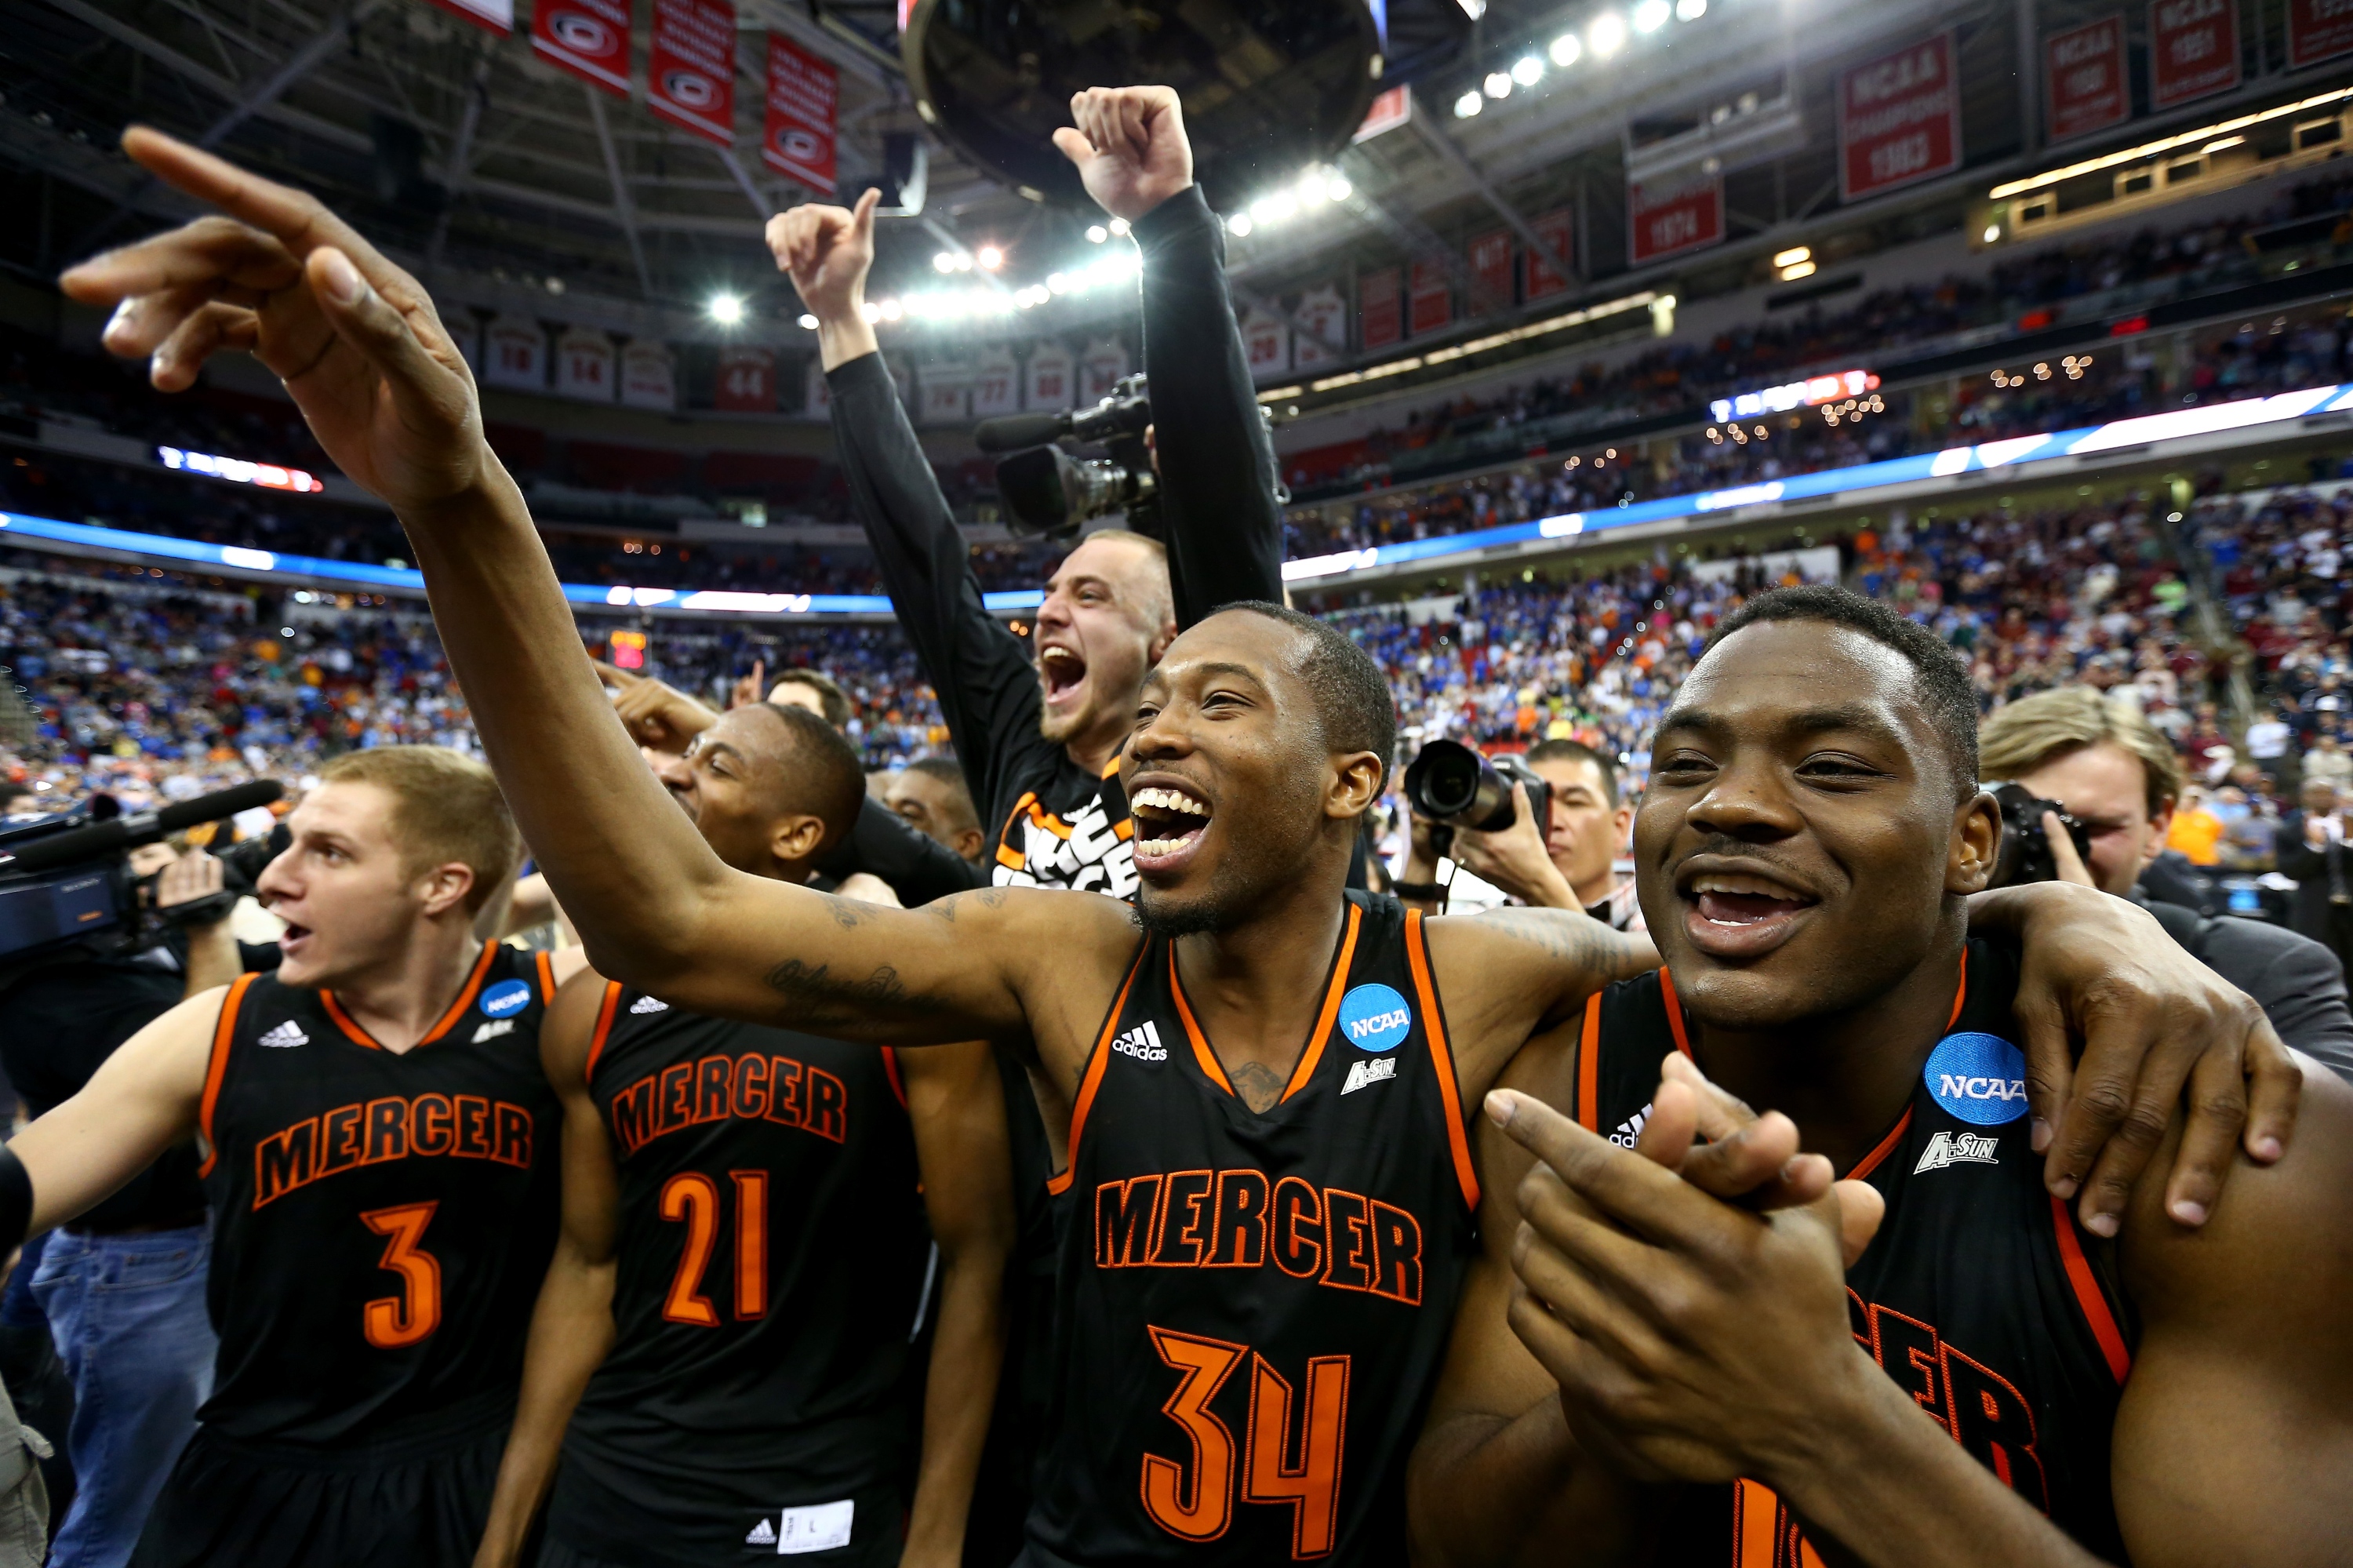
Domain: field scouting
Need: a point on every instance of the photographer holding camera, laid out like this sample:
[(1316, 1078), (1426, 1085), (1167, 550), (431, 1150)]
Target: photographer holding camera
[(2098, 759), (1567, 863)]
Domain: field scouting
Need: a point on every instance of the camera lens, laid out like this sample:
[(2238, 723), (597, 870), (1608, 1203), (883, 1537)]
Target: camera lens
[(1451, 783)]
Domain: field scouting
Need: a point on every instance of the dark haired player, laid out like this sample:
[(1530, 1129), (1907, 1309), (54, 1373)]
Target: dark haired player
[(742, 1262), (1993, 1384), (1275, 1068)]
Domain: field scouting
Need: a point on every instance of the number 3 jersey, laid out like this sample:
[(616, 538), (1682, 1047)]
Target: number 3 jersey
[(382, 1220), (1253, 1306)]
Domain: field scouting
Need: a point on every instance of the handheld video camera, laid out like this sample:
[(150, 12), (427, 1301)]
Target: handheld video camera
[(1047, 491), (2025, 853), (1457, 787)]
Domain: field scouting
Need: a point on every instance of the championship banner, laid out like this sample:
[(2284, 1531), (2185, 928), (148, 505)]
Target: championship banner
[(648, 375), (1104, 362), (1431, 306), (498, 16), (947, 393), (2318, 30), (690, 70), (804, 95), (1899, 118), (1051, 374), (1266, 339), (746, 383), (584, 365), (1491, 271), (1558, 229), (1325, 314), (514, 354), (590, 38), (996, 385), (1666, 220), (2193, 49), (1378, 310), (2083, 84)]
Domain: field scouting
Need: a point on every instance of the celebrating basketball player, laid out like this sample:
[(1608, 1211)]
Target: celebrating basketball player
[(382, 1176), (1257, 1099)]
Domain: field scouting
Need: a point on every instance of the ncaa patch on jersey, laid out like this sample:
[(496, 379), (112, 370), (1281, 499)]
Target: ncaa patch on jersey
[(505, 999), (1375, 1018), (1980, 1078)]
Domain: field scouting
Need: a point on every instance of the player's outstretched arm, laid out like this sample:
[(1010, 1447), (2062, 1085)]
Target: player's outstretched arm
[(572, 1327), (143, 1099)]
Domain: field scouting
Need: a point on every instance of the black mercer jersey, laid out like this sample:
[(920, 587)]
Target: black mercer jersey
[(773, 1258), (1072, 831), (1252, 1308), (382, 1220), (1978, 1294)]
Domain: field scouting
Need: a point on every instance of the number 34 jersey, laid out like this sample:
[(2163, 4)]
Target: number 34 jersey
[(382, 1221), (1254, 1305)]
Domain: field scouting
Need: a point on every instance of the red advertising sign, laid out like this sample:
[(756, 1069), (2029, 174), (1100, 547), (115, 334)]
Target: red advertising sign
[(690, 72), (1662, 221), (1490, 272), (747, 381), (590, 38), (1433, 298), (2193, 49), (1382, 322), (1899, 118), (2084, 82), (1558, 229), (804, 95), (2318, 30)]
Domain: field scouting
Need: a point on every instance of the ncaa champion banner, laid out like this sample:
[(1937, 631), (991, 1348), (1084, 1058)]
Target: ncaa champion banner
[(2318, 30), (2193, 49), (690, 70), (1666, 220), (2083, 81), (590, 38), (804, 95), (1899, 118)]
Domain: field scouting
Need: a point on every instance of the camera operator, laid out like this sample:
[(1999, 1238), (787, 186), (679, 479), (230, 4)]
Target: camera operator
[(2312, 853), (2099, 759), (123, 1287), (1570, 866)]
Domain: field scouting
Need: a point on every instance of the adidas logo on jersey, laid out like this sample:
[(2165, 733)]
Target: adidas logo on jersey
[(1369, 1070), (652, 1004), (289, 1033), (762, 1534), (1630, 1128), (493, 1028), (1959, 1149), (1143, 1042)]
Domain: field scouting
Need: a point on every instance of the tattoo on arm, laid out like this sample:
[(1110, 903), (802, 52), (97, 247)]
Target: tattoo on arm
[(817, 998), (1586, 945), (945, 908)]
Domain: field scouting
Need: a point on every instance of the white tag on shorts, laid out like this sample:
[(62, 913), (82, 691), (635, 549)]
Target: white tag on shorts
[(819, 1527)]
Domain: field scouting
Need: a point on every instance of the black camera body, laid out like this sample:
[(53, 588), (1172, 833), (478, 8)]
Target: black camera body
[(2025, 853), (1048, 491), (1455, 786)]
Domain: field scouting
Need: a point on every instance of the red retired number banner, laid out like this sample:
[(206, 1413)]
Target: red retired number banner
[(1490, 272), (1381, 317), (1433, 298), (2083, 78), (1557, 229), (2193, 49), (690, 73), (804, 95), (746, 383), (2318, 30), (590, 38), (1661, 221), (1899, 118)]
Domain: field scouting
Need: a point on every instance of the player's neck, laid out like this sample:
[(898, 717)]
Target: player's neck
[(1257, 987), (1844, 1078), (399, 998), (1096, 749)]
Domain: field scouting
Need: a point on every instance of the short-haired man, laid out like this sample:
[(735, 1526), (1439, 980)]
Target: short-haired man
[(1688, 1382), (706, 1398), (2099, 757), (1572, 864), (381, 1174), (931, 796), (814, 690)]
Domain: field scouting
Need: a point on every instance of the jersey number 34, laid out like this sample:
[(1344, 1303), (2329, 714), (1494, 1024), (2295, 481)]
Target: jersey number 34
[(1196, 1500)]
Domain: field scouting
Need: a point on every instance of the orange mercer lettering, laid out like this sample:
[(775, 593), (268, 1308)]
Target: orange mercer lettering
[(713, 1088), (1232, 1219), (1194, 1500), (386, 1130)]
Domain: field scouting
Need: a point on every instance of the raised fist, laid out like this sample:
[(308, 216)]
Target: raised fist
[(1129, 145), (826, 250)]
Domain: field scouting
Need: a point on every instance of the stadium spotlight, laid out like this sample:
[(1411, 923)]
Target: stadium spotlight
[(1607, 36), (1651, 15), (891, 310), (1468, 104), (1498, 84), (1239, 225), (1993, 232), (1119, 226), (1565, 51), (1791, 258), (727, 310), (944, 262), (1690, 10), (990, 258), (808, 323), (1796, 271), (871, 310), (1097, 234), (1527, 71), (1337, 188)]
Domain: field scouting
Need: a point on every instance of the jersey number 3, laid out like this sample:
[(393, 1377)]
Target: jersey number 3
[(1201, 1509), (693, 1197), (394, 1322)]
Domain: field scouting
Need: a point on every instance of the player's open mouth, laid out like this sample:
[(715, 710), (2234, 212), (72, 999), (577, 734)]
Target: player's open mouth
[(1170, 824), (1062, 671), (1739, 914), (292, 936)]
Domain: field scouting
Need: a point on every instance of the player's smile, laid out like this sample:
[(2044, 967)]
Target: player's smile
[(1172, 817), (1735, 907)]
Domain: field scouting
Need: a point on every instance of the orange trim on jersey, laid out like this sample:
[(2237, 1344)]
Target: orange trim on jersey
[(1331, 1009), (1870, 1163), (605, 1010), (1006, 854), (217, 1066), (545, 963), (1589, 1067), (1123, 828), (890, 1071), (1450, 1094), (2088, 1293), (352, 1030), (1208, 1059), (1061, 1180), (359, 1036), (1675, 1015)]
